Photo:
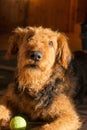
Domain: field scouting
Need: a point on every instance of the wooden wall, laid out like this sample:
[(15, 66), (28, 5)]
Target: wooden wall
[(12, 14), (49, 13), (57, 14), (82, 11)]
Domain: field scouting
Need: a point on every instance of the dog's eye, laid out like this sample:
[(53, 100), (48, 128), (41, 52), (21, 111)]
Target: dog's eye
[(51, 43), (29, 38)]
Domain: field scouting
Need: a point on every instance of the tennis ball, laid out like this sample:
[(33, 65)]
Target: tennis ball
[(18, 123)]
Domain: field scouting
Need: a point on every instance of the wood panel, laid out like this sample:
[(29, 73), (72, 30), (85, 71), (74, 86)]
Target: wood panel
[(82, 11), (12, 13), (56, 14)]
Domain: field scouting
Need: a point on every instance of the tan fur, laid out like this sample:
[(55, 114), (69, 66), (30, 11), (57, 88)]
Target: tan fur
[(60, 114)]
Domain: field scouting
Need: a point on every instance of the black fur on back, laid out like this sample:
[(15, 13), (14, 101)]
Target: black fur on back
[(79, 64)]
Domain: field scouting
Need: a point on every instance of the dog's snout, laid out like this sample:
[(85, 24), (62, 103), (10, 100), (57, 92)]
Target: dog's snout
[(35, 55)]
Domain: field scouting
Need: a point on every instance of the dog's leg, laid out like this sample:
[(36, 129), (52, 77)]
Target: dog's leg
[(6, 107), (68, 118), (5, 113), (66, 122)]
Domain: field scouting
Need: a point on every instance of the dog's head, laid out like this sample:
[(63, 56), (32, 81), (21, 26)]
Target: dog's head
[(38, 50)]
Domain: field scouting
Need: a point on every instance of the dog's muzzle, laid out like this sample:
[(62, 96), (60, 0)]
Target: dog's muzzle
[(35, 55)]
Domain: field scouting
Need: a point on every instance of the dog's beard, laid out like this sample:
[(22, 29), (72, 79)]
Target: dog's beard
[(32, 78)]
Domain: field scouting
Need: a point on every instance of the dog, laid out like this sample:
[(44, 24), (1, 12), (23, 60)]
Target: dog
[(46, 80)]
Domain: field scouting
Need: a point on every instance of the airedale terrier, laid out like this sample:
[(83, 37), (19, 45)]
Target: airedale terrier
[(44, 83)]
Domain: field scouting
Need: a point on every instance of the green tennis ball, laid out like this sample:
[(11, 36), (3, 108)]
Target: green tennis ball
[(18, 123)]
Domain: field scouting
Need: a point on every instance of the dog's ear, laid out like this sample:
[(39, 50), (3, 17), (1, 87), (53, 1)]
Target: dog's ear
[(63, 51), (16, 39), (14, 42)]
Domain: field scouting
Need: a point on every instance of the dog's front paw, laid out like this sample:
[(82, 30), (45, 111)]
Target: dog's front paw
[(4, 124), (5, 116)]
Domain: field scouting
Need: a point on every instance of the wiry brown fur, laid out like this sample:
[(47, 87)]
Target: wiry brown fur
[(43, 89)]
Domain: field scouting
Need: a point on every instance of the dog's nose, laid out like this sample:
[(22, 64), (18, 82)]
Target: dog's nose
[(35, 55)]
